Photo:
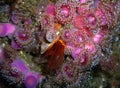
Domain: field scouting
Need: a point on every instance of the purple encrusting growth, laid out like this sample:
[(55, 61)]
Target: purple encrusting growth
[(31, 79), (20, 65), (6, 29)]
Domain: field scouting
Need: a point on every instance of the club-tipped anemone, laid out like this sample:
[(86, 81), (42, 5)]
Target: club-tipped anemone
[(24, 37), (68, 50), (81, 9), (79, 38), (91, 20), (47, 21), (64, 11), (101, 17), (79, 21), (83, 1), (83, 60), (66, 35), (90, 47), (20, 65), (31, 80), (98, 37), (15, 17), (69, 72), (110, 13), (6, 29), (76, 53), (50, 9), (14, 45)]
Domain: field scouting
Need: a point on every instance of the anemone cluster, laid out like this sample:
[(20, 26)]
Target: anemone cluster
[(60, 41)]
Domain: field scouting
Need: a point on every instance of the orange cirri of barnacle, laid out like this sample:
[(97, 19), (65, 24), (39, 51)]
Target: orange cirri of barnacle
[(54, 55)]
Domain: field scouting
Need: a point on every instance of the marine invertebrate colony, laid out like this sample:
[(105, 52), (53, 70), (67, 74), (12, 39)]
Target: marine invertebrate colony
[(64, 11), (6, 29), (61, 41)]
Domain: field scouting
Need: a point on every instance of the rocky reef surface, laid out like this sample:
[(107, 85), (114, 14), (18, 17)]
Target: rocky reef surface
[(59, 43)]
